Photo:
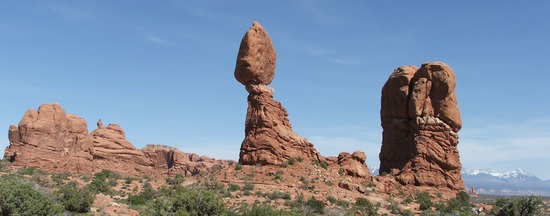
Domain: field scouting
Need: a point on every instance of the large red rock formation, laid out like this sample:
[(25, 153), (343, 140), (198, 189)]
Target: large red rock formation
[(52, 140), (175, 161), (113, 150), (269, 138), (420, 119)]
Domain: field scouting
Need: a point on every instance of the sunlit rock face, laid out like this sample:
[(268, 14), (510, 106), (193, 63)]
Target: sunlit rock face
[(269, 138), (420, 120)]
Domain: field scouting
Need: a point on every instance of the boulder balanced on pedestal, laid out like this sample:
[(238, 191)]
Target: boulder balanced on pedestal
[(269, 138)]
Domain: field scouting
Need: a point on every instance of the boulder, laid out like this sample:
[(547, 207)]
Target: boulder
[(354, 164), (256, 58)]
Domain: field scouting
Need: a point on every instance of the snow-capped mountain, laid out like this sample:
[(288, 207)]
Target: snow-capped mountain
[(517, 173), (514, 182)]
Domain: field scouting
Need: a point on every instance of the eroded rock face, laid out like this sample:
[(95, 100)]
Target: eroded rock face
[(420, 118), (269, 138), (113, 151), (50, 138), (354, 164), (175, 161)]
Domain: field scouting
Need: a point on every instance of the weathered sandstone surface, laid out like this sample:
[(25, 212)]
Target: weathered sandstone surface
[(420, 120), (269, 138), (50, 139)]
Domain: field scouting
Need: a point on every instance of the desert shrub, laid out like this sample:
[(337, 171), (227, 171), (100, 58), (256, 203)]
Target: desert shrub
[(324, 164), (234, 187), (366, 206), (103, 181), (129, 180), (178, 179), (285, 164), (248, 186), (291, 161), (407, 200), (316, 206), (278, 195), (178, 200), (74, 199), (18, 197), (239, 166), (26, 171), (459, 205), (58, 178), (531, 205), (107, 174), (4, 164), (267, 210), (424, 200)]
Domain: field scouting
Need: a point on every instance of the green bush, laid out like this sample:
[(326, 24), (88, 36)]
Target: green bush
[(26, 171), (239, 166), (278, 195), (459, 205), (234, 187), (58, 178), (366, 206), (18, 197), (178, 179), (74, 199), (178, 200), (291, 161), (248, 186), (424, 200), (316, 206), (531, 205)]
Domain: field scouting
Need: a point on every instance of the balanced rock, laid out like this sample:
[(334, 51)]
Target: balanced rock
[(420, 120), (52, 139), (269, 138), (256, 58)]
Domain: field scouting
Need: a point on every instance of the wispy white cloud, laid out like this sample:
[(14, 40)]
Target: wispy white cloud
[(320, 52), (158, 40), (67, 12), (507, 145)]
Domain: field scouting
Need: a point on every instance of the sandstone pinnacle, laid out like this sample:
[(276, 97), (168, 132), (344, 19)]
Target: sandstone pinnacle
[(420, 119), (269, 138)]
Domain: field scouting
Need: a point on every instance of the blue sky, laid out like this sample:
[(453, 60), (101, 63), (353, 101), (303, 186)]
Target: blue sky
[(163, 70)]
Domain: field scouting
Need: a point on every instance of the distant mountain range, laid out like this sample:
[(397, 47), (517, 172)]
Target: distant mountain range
[(516, 182)]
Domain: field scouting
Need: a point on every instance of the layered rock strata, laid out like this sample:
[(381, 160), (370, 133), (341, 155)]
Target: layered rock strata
[(50, 139), (420, 120), (269, 138)]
